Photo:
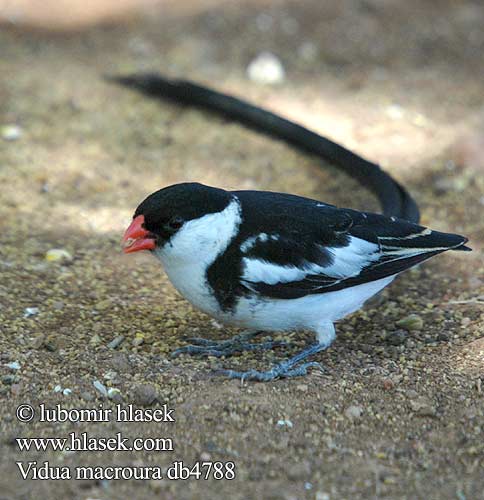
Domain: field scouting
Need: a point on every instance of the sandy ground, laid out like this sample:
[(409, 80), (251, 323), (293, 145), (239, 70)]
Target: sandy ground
[(398, 411)]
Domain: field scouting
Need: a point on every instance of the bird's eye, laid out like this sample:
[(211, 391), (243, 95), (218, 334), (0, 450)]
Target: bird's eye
[(175, 222)]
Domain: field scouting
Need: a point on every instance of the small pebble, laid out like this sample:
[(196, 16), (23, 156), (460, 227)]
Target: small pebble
[(50, 345), (267, 69), (138, 340), (411, 322), (9, 379), (14, 365), (144, 394), (285, 423), (114, 394), (116, 342), (30, 311), (398, 337), (15, 389), (11, 132), (388, 384), (38, 341), (103, 305), (57, 388), (444, 185), (57, 254), (120, 362), (423, 407), (111, 375), (67, 392), (100, 388), (354, 412), (216, 324), (95, 339)]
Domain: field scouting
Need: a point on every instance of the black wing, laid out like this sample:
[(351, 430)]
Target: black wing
[(319, 248)]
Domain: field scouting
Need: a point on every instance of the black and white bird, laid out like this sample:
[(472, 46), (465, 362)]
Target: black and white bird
[(267, 261)]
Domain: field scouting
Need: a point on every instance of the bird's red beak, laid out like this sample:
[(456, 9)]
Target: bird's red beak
[(136, 237)]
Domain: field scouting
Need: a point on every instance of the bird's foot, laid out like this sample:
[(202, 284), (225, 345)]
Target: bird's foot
[(278, 371), (205, 347), (286, 369)]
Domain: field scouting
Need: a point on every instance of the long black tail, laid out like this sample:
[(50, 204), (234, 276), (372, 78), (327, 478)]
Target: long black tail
[(394, 198)]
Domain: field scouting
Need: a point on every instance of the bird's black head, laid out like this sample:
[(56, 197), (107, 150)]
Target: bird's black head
[(164, 212)]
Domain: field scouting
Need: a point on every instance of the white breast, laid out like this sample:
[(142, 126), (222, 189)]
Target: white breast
[(191, 251)]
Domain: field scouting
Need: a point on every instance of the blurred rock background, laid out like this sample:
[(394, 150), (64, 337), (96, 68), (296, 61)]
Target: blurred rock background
[(61, 15), (72, 15)]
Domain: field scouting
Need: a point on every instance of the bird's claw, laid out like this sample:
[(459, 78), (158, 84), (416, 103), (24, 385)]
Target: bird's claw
[(283, 370)]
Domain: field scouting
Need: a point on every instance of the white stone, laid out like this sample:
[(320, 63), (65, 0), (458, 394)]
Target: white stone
[(267, 69)]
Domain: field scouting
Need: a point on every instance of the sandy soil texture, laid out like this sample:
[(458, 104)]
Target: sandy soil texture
[(398, 412)]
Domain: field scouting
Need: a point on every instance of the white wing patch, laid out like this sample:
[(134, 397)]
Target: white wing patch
[(425, 232), (256, 271), (260, 238), (408, 252), (348, 261)]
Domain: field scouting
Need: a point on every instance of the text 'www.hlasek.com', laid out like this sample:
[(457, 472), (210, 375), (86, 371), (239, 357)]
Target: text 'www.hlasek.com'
[(76, 442)]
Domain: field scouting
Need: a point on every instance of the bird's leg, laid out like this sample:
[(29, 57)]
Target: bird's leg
[(325, 335), (205, 347)]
